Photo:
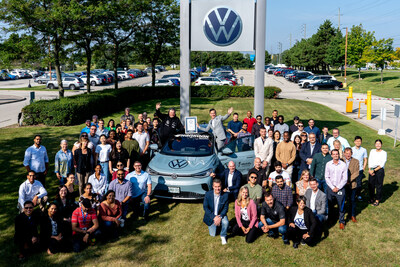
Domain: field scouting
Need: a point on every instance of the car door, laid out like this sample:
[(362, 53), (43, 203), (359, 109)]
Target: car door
[(240, 151)]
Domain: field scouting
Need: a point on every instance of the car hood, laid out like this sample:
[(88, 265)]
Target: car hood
[(166, 164)]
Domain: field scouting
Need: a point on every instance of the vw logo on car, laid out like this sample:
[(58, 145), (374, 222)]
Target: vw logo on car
[(222, 26), (178, 164)]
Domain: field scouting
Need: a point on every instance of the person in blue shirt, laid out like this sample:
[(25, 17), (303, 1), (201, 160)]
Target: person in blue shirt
[(311, 128), (141, 189), (234, 126), (87, 127)]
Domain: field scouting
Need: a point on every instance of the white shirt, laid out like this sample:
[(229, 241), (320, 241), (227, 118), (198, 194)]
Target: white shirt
[(101, 132), (377, 159), (342, 140), (230, 177), (142, 139), (104, 152), (28, 191), (312, 200), (36, 158), (244, 214), (89, 145), (98, 186), (285, 175), (216, 203), (299, 221), (298, 132)]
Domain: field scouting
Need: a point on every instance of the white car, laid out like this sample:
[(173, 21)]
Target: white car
[(94, 79), (211, 81), (67, 82), (18, 74), (314, 78), (123, 75), (160, 82)]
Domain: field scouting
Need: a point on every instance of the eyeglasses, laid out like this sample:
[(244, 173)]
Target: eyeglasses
[(119, 165), (303, 135), (120, 174), (301, 125), (253, 177), (28, 208)]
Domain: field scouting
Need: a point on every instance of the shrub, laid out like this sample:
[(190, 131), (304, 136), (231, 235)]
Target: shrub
[(76, 109)]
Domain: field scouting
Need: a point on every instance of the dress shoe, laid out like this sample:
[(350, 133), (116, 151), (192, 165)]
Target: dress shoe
[(341, 226), (353, 219)]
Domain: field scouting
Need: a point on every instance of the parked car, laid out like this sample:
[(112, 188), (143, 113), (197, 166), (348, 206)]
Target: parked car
[(67, 82), (271, 70), (80, 73), (299, 75), (326, 84), (314, 78), (212, 81), (45, 78), (149, 70), (181, 169), (94, 79), (123, 75), (160, 82)]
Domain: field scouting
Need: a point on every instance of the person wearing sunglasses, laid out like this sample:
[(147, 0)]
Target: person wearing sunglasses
[(254, 189), (26, 230)]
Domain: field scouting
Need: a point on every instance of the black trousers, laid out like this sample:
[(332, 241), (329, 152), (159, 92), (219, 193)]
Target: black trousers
[(251, 235), (375, 182), (41, 178), (296, 235)]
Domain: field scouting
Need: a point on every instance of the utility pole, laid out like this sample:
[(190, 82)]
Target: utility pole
[(49, 58), (304, 30), (290, 41), (339, 19), (345, 61), (280, 51)]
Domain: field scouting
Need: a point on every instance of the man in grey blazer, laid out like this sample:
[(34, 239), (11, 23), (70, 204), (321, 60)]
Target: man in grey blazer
[(216, 124), (316, 200)]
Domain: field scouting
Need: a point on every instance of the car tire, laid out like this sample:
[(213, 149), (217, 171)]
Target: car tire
[(336, 87), (315, 87), (51, 86), (39, 82), (93, 83), (305, 85), (72, 87)]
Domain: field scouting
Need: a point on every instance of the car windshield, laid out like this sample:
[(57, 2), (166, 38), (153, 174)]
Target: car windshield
[(310, 77), (189, 145)]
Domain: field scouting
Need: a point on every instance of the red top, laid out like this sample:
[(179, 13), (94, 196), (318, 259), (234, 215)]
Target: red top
[(110, 214), (250, 123), (83, 220)]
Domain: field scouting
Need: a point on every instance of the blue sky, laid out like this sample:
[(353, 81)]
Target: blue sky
[(288, 17)]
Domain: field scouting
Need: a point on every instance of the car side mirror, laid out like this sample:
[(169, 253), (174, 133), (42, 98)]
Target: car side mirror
[(154, 147), (227, 151)]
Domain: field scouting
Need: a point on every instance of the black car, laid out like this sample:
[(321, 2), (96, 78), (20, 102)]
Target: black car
[(326, 84), (298, 76)]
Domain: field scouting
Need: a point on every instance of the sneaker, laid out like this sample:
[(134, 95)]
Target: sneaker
[(286, 242), (223, 240), (272, 234), (295, 245), (303, 242)]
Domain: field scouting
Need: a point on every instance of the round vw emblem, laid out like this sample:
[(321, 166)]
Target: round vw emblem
[(174, 176), (222, 26), (178, 163)]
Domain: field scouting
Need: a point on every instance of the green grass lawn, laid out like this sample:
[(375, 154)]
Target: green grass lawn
[(371, 80), (176, 235)]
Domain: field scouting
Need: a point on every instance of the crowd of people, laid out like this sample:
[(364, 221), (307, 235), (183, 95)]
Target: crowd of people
[(298, 174)]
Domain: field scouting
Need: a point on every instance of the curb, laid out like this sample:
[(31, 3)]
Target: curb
[(13, 101)]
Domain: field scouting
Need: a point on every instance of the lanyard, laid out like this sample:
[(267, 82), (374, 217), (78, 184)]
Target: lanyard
[(84, 217)]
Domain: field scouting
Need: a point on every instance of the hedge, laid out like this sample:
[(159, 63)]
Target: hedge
[(76, 109)]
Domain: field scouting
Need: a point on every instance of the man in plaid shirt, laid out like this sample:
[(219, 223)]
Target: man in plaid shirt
[(282, 193)]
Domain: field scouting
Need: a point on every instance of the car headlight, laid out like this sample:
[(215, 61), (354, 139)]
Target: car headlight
[(151, 171), (204, 173)]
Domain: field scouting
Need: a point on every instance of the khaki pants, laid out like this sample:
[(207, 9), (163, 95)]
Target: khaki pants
[(82, 179)]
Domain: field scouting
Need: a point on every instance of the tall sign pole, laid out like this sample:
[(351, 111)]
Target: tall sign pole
[(184, 59), (261, 10)]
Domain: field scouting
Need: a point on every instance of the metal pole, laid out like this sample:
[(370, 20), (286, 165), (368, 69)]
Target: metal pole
[(261, 14), (395, 132), (345, 62), (184, 59)]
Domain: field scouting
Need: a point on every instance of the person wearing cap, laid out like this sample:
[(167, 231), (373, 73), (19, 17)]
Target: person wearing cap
[(85, 225), (171, 124), (294, 127)]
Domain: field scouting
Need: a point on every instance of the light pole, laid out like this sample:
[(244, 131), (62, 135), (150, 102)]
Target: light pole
[(345, 62)]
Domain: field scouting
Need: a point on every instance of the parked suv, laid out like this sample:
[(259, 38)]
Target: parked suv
[(315, 78), (67, 82), (94, 79), (212, 81)]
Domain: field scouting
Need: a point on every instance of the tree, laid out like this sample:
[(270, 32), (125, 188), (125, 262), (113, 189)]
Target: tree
[(47, 18), (267, 57), (335, 54), (380, 52), (320, 43), (358, 39), (157, 31)]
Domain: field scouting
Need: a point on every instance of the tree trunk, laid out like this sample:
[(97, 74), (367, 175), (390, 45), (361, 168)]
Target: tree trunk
[(153, 74), (115, 63), (329, 71), (382, 75), (359, 73), (57, 46)]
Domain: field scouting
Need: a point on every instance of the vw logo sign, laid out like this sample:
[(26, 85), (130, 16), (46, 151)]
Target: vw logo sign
[(222, 26), (178, 164)]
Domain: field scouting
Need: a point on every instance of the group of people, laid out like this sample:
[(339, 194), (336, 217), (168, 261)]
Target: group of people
[(107, 164), (299, 174)]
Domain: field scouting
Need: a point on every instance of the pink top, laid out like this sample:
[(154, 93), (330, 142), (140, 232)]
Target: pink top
[(251, 212)]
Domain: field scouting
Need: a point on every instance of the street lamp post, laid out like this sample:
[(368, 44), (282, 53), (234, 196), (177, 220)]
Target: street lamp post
[(345, 62)]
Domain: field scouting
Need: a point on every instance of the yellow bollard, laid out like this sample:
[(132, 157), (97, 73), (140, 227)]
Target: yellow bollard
[(369, 105), (349, 101)]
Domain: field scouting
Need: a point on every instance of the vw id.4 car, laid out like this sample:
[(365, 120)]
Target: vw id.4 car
[(181, 168)]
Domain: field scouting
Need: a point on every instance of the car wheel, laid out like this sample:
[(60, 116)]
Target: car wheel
[(39, 82), (72, 87), (315, 87), (336, 87), (305, 85), (93, 83), (51, 86)]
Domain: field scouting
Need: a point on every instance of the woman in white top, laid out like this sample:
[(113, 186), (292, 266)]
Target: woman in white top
[(376, 164), (98, 181), (102, 157)]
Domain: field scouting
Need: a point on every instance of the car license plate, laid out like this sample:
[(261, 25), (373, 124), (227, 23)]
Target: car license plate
[(174, 190)]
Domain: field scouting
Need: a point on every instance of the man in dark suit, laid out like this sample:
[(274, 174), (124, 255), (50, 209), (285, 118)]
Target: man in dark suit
[(215, 207), (324, 136), (231, 179), (308, 150)]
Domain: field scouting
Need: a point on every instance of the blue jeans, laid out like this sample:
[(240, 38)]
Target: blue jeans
[(105, 170), (321, 218), (281, 229), (359, 182), (224, 227), (353, 193), (322, 186), (137, 201), (340, 197)]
